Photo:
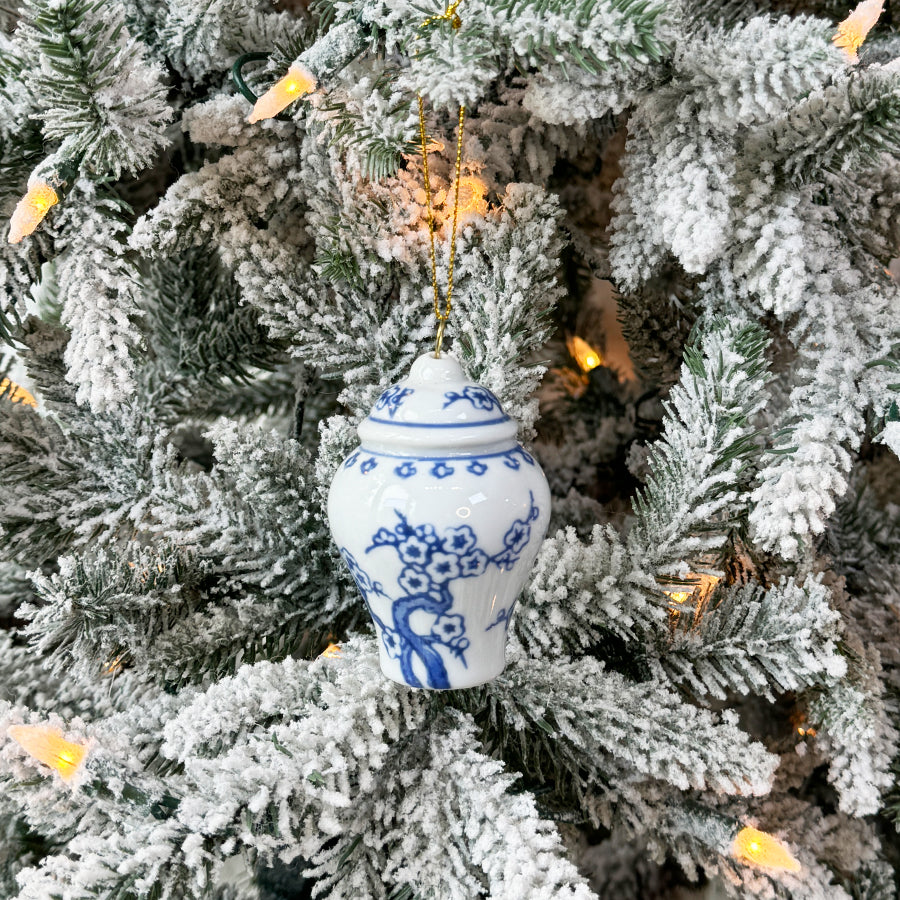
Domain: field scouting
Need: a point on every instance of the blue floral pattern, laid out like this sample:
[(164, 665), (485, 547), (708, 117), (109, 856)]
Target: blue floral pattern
[(481, 398), (441, 470), (423, 620), (392, 399), (443, 467)]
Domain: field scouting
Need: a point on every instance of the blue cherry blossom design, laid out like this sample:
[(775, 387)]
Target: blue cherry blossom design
[(360, 576), (476, 467), (449, 628), (461, 539), (391, 642), (474, 563), (427, 533), (407, 470), (441, 470), (517, 536), (351, 460), (413, 580), (432, 562), (413, 550), (368, 465), (443, 567), (504, 617)]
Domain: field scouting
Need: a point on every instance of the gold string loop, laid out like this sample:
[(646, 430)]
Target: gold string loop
[(451, 16), (448, 15)]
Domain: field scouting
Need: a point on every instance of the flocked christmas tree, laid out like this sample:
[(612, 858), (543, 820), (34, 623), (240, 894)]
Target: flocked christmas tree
[(200, 298)]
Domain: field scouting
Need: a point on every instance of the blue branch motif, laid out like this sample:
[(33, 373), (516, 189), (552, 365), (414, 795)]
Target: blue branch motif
[(479, 397), (431, 563), (504, 617), (392, 399)]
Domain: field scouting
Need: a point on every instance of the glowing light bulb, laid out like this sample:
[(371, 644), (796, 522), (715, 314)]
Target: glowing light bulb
[(30, 210), (853, 30), (698, 589), (17, 394), (472, 193), (112, 667), (761, 849), (47, 745), (694, 582), (585, 355), (332, 651), (297, 82)]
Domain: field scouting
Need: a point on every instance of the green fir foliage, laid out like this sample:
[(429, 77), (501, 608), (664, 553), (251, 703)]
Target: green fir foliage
[(709, 639), (92, 86)]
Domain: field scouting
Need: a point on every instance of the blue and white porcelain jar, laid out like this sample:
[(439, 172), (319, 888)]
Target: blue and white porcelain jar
[(439, 514)]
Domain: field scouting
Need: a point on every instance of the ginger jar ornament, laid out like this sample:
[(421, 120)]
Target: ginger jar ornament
[(439, 514)]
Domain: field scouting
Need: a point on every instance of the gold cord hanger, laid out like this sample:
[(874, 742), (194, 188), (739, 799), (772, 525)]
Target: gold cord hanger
[(450, 15)]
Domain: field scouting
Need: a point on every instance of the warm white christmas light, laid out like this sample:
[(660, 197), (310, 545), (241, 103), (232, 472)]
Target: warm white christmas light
[(15, 393), (112, 667), (692, 582), (761, 849), (332, 651), (47, 745), (472, 193), (585, 355), (853, 30), (30, 210), (297, 82), (699, 588)]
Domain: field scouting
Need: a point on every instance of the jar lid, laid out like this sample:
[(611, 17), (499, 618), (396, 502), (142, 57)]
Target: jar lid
[(436, 407)]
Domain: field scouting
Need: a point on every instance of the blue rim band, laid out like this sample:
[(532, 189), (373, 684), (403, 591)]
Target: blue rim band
[(439, 424)]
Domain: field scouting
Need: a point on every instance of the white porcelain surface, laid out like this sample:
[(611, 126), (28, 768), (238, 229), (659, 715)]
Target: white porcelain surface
[(439, 514)]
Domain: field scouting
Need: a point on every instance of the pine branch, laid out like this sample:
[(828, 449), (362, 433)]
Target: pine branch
[(73, 486), (206, 344), (848, 124), (755, 641), (202, 38), (692, 500), (37, 471), (453, 67), (687, 136), (101, 612), (493, 842), (594, 721), (857, 733), (226, 194), (508, 287), (456, 67), (27, 681), (93, 86), (97, 281), (256, 576), (373, 123), (18, 272)]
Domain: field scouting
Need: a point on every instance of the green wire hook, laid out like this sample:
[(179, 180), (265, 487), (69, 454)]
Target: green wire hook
[(237, 75)]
